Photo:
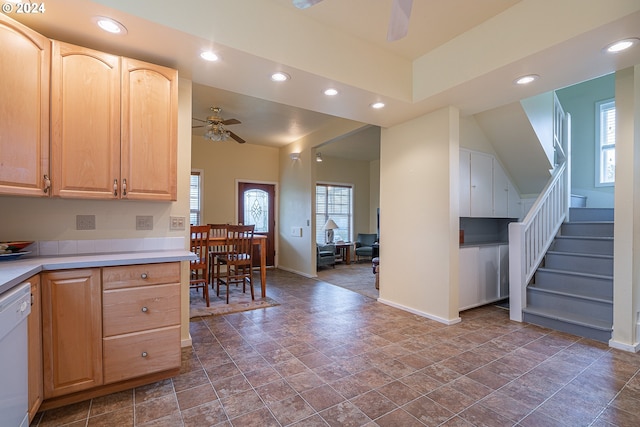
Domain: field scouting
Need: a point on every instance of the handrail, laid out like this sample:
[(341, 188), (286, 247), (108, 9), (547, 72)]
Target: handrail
[(530, 239)]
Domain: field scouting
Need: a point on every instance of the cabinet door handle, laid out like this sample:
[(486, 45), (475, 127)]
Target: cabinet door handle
[(145, 309), (124, 187), (144, 354), (144, 276), (115, 188), (47, 184)]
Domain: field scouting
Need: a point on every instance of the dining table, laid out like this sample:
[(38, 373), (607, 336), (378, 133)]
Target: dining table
[(259, 240)]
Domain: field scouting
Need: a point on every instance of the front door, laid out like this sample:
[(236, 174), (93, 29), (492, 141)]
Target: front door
[(256, 207)]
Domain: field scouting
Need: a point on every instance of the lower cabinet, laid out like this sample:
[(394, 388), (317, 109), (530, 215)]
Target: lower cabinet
[(71, 331), (483, 275), (34, 328), (141, 317), (104, 326)]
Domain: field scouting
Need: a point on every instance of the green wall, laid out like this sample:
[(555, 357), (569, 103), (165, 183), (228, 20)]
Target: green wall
[(579, 100)]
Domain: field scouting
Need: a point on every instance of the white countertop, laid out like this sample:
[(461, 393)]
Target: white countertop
[(14, 272)]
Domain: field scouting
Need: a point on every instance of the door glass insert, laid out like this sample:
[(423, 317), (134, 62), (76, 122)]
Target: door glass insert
[(256, 210)]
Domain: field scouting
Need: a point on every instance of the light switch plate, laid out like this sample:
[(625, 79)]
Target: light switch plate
[(144, 222), (176, 223)]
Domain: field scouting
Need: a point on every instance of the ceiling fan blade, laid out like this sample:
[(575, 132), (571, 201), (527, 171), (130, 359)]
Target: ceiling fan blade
[(231, 122), (303, 4), (199, 126), (399, 21), (236, 137), (199, 120)]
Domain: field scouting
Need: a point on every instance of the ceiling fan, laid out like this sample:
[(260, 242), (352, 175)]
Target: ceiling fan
[(216, 127), (398, 23)]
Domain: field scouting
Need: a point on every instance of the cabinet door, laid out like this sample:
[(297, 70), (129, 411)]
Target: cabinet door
[(500, 191), (25, 59), (85, 133), (468, 278), (503, 278), (465, 183), (488, 274), (71, 331), (34, 327), (481, 185), (149, 131)]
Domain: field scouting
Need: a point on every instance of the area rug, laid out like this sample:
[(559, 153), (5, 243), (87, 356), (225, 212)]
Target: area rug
[(238, 302)]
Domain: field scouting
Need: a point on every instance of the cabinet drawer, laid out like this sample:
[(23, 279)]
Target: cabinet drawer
[(141, 353), (140, 275), (136, 309)]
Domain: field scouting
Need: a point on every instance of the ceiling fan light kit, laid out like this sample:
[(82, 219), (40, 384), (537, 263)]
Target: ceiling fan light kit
[(216, 127)]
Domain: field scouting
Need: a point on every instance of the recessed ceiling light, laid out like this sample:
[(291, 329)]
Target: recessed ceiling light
[(110, 25), (331, 92), (621, 45), (209, 56), (280, 76), (377, 105), (525, 80)]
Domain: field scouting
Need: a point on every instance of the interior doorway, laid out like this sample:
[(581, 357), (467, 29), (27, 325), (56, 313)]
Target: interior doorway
[(256, 206)]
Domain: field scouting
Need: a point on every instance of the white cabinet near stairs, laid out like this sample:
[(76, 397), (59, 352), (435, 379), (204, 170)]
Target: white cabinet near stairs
[(483, 275), (485, 189)]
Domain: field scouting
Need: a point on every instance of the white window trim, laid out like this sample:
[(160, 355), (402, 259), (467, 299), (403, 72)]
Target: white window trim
[(201, 196), (353, 203), (597, 146)]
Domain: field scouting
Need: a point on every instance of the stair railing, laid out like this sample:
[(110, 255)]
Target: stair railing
[(530, 239)]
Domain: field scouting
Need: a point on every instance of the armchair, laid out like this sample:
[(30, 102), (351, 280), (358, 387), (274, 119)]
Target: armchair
[(325, 255), (364, 245)]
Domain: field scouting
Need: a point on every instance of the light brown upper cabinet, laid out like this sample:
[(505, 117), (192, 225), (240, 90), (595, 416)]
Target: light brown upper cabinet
[(114, 126), (25, 59), (149, 131), (85, 118)]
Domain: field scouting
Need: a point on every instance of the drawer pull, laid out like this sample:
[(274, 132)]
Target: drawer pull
[(144, 275), (145, 309), (144, 354)]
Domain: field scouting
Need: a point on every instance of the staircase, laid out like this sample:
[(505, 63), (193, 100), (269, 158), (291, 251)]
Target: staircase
[(572, 290)]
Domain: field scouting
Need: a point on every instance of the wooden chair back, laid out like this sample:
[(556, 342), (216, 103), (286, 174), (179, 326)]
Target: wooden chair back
[(240, 244), (199, 275)]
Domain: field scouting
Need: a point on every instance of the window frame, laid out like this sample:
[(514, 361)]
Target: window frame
[(320, 232), (199, 211), (601, 144)]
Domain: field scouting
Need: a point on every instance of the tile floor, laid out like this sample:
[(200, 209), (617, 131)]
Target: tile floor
[(329, 356)]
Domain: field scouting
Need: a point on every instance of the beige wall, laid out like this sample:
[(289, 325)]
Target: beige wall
[(297, 181), (419, 215), (626, 274), (223, 164)]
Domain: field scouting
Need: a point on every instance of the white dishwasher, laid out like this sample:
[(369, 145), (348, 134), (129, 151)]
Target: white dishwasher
[(15, 306)]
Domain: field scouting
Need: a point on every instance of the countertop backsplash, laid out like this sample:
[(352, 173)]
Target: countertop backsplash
[(86, 247)]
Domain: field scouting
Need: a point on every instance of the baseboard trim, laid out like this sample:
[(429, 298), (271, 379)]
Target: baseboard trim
[(421, 313), (186, 342), (624, 347), (291, 270)]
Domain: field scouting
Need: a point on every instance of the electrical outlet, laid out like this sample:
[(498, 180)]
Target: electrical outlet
[(144, 222), (176, 223), (85, 222)]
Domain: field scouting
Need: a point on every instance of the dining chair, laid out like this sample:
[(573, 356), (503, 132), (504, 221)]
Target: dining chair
[(215, 249), (238, 259), (199, 274)]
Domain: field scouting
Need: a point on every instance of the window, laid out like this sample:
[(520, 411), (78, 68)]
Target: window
[(335, 202), (195, 198), (606, 143)]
